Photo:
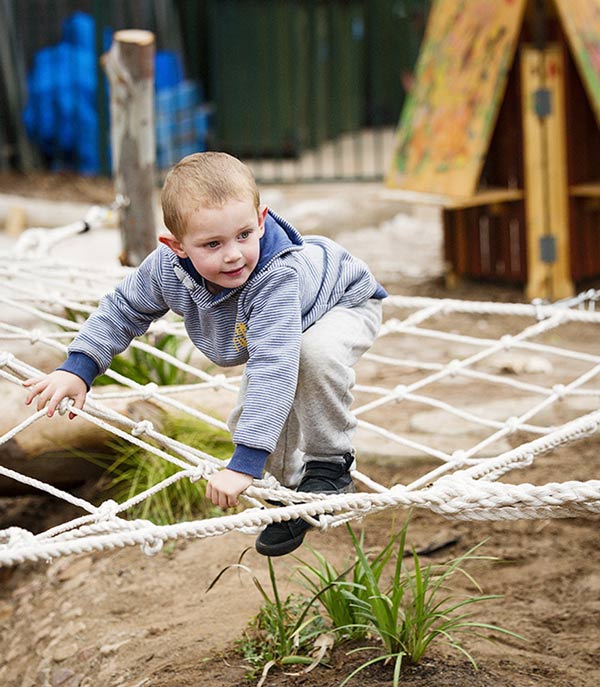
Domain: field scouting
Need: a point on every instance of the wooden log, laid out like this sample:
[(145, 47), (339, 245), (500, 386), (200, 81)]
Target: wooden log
[(129, 65), (51, 449), (41, 212), (16, 221)]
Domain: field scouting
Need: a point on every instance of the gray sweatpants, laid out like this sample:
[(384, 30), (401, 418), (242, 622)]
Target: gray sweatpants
[(320, 425)]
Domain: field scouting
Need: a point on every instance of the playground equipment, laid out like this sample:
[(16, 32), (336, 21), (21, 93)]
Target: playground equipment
[(428, 348), (501, 130)]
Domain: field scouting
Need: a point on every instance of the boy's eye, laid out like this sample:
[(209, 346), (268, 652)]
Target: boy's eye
[(245, 234), (212, 244)]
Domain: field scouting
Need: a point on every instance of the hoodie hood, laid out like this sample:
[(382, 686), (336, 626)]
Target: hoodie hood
[(279, 238)]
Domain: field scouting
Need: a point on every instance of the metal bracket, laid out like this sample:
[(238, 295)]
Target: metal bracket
[(548, 249), (542, 102)]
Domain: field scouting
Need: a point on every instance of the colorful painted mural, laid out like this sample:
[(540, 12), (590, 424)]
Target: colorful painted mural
[(448, 119), (581, 21)]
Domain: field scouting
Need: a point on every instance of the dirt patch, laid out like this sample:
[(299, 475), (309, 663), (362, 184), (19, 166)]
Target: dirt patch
[(123, 619), (62, 186)]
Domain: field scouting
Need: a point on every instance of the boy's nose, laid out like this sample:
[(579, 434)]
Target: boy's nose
[(232, 253)]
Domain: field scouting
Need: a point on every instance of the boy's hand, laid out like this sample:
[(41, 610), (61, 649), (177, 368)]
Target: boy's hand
[(52, 388), (225, 486)]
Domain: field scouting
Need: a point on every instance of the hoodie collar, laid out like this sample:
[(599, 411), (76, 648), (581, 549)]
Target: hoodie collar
[(279, 237)]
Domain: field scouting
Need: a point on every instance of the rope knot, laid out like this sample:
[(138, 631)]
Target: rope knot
[(506, 341), (142, 427), (152, 546), (197, 473), (453, 367), (539, 311), (400, 392), (512, 424), (107, 510), (65, 405), (559, 390), (16, 536), (149, 390), (35, 335), (458, 457)]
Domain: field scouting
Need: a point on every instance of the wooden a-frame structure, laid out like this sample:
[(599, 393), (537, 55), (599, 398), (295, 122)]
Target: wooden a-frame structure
[(502, 130)]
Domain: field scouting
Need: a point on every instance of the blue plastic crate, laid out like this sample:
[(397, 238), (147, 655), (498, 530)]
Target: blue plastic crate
[(183, 97), (168, 156)]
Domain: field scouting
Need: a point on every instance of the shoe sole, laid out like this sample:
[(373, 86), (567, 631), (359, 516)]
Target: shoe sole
[(273, 550)]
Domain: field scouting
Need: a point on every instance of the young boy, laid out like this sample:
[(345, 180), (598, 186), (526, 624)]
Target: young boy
[(299, 312)]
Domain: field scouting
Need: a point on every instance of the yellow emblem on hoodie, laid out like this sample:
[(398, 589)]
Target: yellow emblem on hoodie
[(239, 336)]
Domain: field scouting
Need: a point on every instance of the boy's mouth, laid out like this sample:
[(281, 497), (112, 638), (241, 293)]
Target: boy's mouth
[(236, 272)]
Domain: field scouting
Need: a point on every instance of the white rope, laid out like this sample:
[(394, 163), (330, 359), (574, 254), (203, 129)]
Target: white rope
[(464, 485)]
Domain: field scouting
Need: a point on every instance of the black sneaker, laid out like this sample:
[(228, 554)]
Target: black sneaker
[(319, 477)]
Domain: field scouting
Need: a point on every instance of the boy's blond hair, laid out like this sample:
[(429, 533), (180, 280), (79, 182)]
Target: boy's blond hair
[(204, 180)]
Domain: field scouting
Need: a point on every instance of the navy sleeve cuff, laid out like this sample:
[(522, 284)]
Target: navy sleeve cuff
[(380, 293), (250, 461), (81, 365)]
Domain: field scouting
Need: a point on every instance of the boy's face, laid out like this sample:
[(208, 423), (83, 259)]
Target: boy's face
[(222, 243)]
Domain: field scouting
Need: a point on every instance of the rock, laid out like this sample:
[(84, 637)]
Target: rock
[(74, 568), (74, 582), (73, 613), (64, 651), (64, 677), (108, 649)]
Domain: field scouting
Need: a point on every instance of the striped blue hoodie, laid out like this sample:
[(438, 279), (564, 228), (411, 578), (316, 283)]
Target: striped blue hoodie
[(296, 281)]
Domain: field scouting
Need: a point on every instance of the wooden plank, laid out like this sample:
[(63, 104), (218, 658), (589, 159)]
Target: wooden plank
[(581, 22), (449, 116), (487, 197), (585, 190), (484, 197), (546, 193)]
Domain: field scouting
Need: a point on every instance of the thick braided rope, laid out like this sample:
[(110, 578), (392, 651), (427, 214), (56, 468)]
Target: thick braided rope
[(463, 486), (458, 498)]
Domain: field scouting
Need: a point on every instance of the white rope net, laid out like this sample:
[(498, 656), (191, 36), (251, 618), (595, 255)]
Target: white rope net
[(438, 385)]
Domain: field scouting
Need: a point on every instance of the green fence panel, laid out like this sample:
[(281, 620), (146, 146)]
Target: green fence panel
[(259, 76), (347, 65)]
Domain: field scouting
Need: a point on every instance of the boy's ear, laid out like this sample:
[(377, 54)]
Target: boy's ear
[(262, 213), (174, 244)]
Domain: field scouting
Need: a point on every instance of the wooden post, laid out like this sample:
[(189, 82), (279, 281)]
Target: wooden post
[(546, 191), (129, 65)]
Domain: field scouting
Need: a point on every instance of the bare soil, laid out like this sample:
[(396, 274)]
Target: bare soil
[(124, 619)]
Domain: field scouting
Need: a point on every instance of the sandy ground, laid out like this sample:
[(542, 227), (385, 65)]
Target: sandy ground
[(125, 619)]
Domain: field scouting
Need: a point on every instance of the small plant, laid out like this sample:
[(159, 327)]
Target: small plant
[(416, 608), (283, 631), (399, 609), (134, 470), (343, 598)]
